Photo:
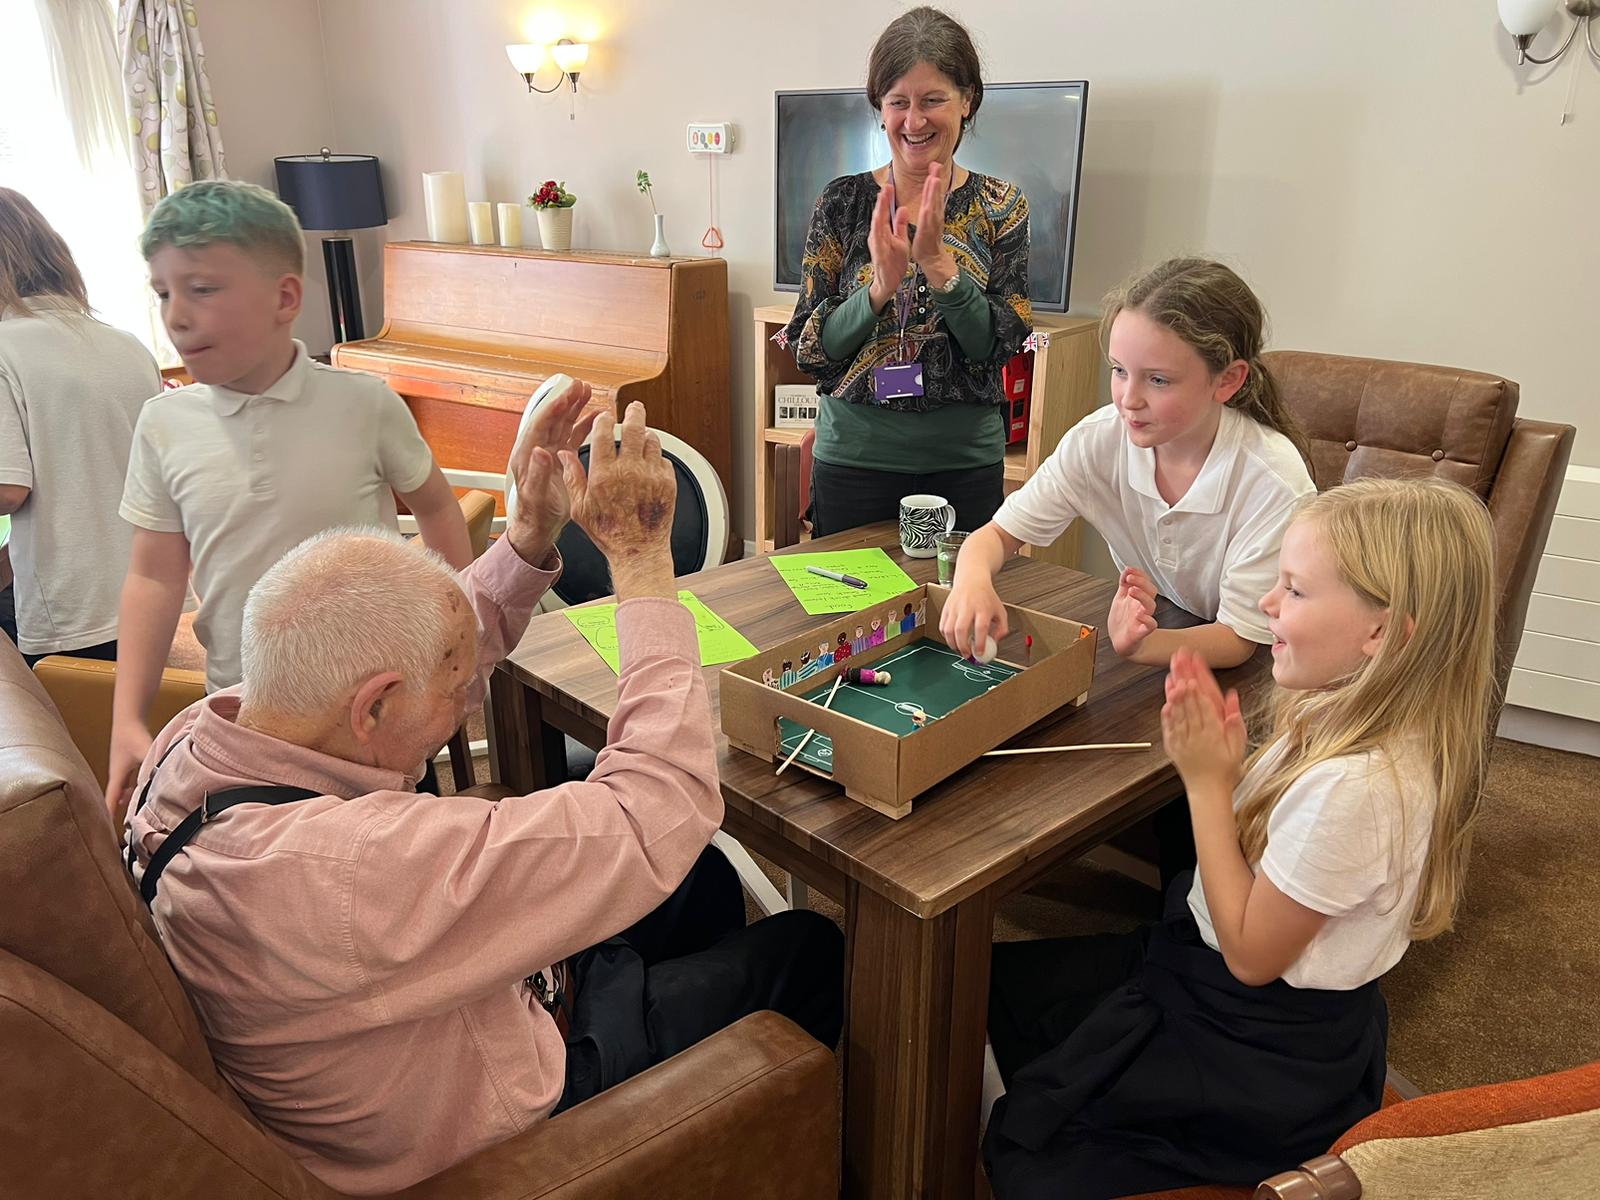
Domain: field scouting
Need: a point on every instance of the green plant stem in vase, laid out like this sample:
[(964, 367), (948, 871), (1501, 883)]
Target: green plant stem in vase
[(658, 248)]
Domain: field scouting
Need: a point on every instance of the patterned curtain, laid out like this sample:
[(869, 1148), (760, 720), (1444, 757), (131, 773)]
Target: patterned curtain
[(171, 116)]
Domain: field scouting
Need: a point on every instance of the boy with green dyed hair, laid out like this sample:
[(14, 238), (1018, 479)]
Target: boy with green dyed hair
[(263, 450)]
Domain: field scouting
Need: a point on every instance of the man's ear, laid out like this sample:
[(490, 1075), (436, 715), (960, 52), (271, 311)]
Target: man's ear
[(368, 705), (291, 292)]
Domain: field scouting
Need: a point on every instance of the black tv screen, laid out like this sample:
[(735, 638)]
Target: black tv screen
[(1028, 133)]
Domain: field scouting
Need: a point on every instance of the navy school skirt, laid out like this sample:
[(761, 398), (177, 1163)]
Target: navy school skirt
[(1172, 1073)]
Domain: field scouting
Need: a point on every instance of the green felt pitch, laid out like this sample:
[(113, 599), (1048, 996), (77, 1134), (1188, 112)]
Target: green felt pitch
[(926, 675)]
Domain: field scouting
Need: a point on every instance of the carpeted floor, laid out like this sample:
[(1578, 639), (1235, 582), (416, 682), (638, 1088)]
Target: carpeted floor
[(1510, 993)]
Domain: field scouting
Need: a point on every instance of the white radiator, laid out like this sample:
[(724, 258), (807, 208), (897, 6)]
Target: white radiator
[(1557, 669)]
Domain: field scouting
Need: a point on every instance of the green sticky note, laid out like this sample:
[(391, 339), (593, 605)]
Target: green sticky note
[(719, 641), (818, 594)]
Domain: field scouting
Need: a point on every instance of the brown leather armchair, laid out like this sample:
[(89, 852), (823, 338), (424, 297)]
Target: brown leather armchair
[(1368, 416), (109, 1088)]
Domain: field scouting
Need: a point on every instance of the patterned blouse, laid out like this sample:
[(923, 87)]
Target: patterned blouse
[(986, 229)]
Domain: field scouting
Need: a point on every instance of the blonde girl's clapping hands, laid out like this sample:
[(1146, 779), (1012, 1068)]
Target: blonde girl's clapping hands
[(1203, 729), (1260, 931)]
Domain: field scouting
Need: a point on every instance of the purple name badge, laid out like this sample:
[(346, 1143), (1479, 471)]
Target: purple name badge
[(896, 381)]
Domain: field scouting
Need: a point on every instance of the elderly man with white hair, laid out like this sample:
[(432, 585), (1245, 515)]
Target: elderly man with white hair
[(393, 981)]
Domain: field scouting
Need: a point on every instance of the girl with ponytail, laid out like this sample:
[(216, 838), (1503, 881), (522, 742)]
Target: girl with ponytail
[(1190, 475)]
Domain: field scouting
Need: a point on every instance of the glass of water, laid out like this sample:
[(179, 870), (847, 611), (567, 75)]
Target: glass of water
[(948, 545)]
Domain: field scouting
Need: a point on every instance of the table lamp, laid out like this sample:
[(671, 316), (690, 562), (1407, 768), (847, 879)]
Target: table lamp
[(336, 192)]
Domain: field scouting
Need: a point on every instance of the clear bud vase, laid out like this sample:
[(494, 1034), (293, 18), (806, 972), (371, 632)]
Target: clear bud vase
[(658, 248)]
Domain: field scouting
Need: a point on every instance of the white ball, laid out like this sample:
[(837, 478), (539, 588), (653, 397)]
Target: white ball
[(986, 655)]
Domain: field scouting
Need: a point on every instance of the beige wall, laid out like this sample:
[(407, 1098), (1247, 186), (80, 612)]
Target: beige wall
[(1380, 171), (266, 68)]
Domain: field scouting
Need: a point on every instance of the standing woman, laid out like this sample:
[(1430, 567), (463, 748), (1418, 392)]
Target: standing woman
[(920, 261), (70, 391)]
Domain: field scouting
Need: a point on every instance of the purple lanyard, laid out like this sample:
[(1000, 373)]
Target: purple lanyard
[(902, 308)]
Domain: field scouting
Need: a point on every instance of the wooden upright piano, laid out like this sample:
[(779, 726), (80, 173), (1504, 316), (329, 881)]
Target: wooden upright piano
[(471, 331)]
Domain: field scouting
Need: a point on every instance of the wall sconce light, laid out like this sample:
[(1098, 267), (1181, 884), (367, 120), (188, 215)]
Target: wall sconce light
[(570, 58), (1525, 18)]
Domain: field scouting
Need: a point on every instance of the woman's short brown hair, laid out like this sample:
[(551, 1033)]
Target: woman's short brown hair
[(925, 35)]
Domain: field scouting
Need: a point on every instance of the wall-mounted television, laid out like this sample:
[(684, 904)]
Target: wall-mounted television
[(1029, 133)]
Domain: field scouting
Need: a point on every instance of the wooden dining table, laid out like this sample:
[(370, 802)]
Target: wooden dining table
[(919, 893)]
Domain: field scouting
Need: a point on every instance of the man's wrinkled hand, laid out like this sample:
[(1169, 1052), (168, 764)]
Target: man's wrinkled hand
[(625, 500)]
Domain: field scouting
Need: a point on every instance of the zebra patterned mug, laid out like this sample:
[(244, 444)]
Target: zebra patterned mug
[(923, 518)]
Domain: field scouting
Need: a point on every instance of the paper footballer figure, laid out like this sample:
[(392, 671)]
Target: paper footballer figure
[(768, 678), (842, 652), (787, 679), (908, 622), (875, 638), (859, 642), (922, 612), (891, 626), (824, 656)]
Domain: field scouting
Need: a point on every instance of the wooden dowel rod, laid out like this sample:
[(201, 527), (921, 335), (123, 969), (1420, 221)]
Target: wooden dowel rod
[(828, 703), (1062, 749)]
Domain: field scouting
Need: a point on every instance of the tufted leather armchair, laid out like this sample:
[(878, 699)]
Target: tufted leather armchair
[(1368, 416), (108, 1089)]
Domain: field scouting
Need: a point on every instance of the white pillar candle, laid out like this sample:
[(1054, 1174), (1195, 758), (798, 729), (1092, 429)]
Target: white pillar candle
[(444, 200), (510, 224), (480, 215)]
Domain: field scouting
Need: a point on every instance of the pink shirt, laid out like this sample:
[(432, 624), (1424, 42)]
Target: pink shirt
[(358, 961)]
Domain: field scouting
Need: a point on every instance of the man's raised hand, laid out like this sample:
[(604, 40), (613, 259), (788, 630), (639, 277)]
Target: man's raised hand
[(543, 504)]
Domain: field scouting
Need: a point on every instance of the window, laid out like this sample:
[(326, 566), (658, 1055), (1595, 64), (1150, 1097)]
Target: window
[(93, 205)]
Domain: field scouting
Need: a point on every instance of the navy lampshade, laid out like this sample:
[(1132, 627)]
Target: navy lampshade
[(333, 191)]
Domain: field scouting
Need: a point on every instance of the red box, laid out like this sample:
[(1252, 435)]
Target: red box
[(1017, 377)]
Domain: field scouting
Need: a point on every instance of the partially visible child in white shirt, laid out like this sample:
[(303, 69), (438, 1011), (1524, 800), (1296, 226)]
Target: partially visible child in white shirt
[(70, 392), (265, 449), (1190, 475)]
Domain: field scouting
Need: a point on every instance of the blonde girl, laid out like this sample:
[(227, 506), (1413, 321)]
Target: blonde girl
[(1245, 1032)]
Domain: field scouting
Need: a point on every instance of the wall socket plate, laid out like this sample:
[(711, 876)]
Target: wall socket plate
[(710, 137)]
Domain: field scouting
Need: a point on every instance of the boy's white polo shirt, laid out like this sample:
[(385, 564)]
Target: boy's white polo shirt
[(244, 478), (1214, 553)]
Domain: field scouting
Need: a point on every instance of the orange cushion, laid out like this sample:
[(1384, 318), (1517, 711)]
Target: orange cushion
[(1513, 1103)]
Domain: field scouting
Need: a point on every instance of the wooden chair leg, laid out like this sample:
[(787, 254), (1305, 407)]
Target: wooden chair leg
[(461, 760)]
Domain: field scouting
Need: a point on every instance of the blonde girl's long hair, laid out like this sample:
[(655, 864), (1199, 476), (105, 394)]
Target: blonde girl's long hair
[(34, 259), (1423, 550), (1215, 312)]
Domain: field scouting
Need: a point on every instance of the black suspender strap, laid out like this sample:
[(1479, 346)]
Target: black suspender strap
[(210, 807), (144, 792)]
